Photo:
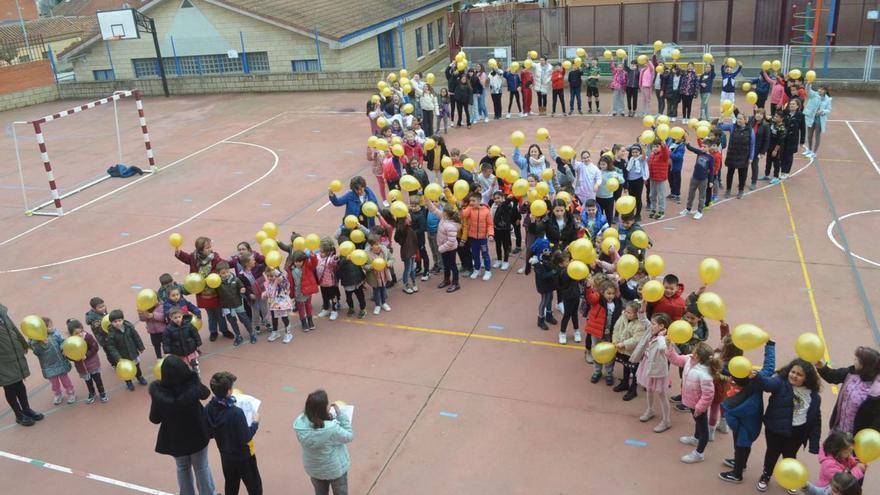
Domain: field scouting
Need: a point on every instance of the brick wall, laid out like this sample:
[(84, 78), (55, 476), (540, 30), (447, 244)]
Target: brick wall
[(19, 77)]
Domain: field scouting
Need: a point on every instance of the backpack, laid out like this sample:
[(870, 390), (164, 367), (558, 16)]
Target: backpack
[(120, 170)]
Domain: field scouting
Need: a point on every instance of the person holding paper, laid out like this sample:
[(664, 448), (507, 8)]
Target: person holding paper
[(233, 434), (323, 430)]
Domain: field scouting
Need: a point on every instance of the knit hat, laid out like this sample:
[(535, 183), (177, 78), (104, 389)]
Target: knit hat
[(116, 314)]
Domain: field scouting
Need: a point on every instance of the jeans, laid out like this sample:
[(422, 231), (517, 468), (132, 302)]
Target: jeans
[(481, 105), (704, 105), (380, 295), (545, 306), (755, 165), (697, 185), (409, 271), (435, 252), (463, 111), (609, 367), (475, 110), (216, 322), (572, 94), (242, 317), (480, 247), (450, 267), (194, 463), (339, 485), (658, 195)]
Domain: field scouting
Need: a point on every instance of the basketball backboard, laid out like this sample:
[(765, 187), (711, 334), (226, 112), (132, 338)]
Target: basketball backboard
[(118, 24)]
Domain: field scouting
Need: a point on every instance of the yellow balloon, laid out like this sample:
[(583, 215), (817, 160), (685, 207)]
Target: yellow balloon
[(542, 188), (514, 66), (662, 119), (648, 120), (409, 183), (658, 45), (268, 245), (603, 352), (621, 53), (580, 249), (157, 368), (692, 123), (351, 221), (610, 244), (381, 85), (492, 63), (371, 143), (676, 54), (533, 195), (429, 144), (867, 445), (566, 64), (538, 208), (270, 229), (74, 348), (726, 105), (460, 189), (299, 243), (379, 264), (547, 174), (407, 108), (627, 266), (450, 175), (610, 232), (765, 65), (612, 184), (357, 236), (359, 257), (625, 204), (126, 369), (433, 191), (398, 150), (527, 64), (261, 236), (809, 347), (502, 171), (731, 62), (677, 133), (794, 74), (273, 259), (520, 188), (702, 131), (460, 56), (469, 164), (461, 66), (810, 76), (399, 209), (647, 137), (711, 306), (213, 280), (335, 186), (752, 97), (740, 367), (639, 239), (710, 271), (313, 242), (580, 52), (196, 322), (776, 65), (542, 134), (194, 283), (533, 54), (791, 474), (643, 59), (146, 299), (663, 131), (652, 291), (375, 99), (175, 240), (381, 143), (394, 195), (391, 76), (564, 196), (659, 69), (577, 270), (517, 138), (105, 321), (607, 54), (745, 336), (566, 152), (680, 332), (512, 176), (654, 265), (386, 92), (708, 58), (747, 86), (370, 209), (346, 248)]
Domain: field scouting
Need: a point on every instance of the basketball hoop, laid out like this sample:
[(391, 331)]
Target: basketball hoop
[(113, 38)]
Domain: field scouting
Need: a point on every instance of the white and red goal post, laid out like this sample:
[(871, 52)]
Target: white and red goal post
[(44, 152)]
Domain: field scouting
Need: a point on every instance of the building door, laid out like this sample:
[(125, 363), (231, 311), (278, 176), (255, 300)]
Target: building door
[(386, 49), (769, 21)]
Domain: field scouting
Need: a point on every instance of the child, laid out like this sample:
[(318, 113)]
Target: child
[(605, 308), (676, 159), (593, 85), (793, 415), (94, 319), (575, 80), (628, 332), (89, 367), (559, 227), (835, 456), (697, 390), (480, 230), (433, 222), (447, 244), (444, 104), (377, 279), (728, 81), (618, 86), (177, 301), (604, 196), (761, 127), (777, 137), (488, 183), (557, 82), (166, 283), (154, 318), (569, 294), (181, 339), (715, 147), (419, 218), (234, 436), (496, 87), (701, 332), (514, 85), (276, 292), (703, 167), (326, 273), (253, 284), (636, 173), (304, 284), (795, 132), (672, 303), (54, 365), (406, 238), (411, 148), (230, 291), (546, 280), (658, 171), (528, 81), (352, 279), (593, 219), (504, 216), (653, 367), (123, 342)]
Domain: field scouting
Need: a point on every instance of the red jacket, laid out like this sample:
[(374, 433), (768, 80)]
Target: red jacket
[(557, 79), (717, 156), (207, 299), (309, 282), (413, 150), (673, 306), (658, 163), (598, 314), (527, 80)]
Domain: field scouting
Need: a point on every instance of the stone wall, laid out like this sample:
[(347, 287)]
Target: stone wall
[(28, 97)]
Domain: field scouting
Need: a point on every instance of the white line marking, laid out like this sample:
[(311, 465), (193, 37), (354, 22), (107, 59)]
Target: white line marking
[(111, 193), (830, 233), (152, 236), (324, 206), (125, 484), (868, 154)]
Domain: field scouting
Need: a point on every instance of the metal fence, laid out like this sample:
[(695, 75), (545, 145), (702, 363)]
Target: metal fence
[(21, 51), (482, 54)]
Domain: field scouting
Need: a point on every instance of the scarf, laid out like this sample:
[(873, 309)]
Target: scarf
[(204, 267), (536, 165)]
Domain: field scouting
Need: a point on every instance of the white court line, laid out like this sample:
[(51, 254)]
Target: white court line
[(325, 205), (154, 235), (868, 154), (830, 233), (95, 477), (111, 193)]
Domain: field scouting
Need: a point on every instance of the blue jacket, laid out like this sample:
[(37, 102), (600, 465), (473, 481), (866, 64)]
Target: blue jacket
[(513, 81), (744, 416), (780, 409), (676, 154), (353, 204), (600, 224), (762, 87), (228, 426), (433, 223)]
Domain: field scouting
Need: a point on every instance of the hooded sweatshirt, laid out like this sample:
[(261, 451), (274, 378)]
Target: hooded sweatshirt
[(228, 426), (324, 453)]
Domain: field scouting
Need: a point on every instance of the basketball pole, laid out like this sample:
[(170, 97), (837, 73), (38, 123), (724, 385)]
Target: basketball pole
[(159, 58)]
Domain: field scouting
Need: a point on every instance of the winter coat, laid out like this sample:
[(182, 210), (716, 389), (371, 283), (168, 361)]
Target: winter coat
[(326, 270), (542, 76), (185, 307), (676, 154), (741, 148), (405, 237), (463, 93), (762, 136), (433, 157), (868, 413), (513, 81), (567, 288), (546, 276), (207, 298), (658, 163), (177, 408), (373, 277), (348, 273), (744, 411), (672, 306), (830, 465), (575, 79), (646, 74), (93, 321), (780, 410), (125, 343), (629, 333), (228, 425), (478, 221), (706, 81), (688, 84), (308, 283), (650, 353), (815, 104), (632, 77), (52, 361), (505, 215), (154, 318), (795, 131), (599, 223), (672, 84), (697, 386), (618, 76), (762, 84), (560, 238), (181, 340), (324, 454), (596, 318), (557, 79), (353, 204), (92, 362), (777, 91), (447, 230)]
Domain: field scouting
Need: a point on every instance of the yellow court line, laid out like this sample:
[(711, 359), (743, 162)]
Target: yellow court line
[(455, 333), (806, 274)]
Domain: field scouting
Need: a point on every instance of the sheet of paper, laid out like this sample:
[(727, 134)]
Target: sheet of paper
[(249, 404), (346, 409), (500, 53)]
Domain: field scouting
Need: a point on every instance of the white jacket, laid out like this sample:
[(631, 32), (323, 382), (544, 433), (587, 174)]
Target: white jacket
[(427, 101), (542, 77), (496, 81)]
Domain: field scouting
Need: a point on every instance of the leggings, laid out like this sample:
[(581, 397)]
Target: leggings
[(464, 254), (450, 267), (542, 100), (517, 233), (559, 94), (61, 381), (701, 431), (811, 132), (787, 161), (779, 445), (632, 99), (545, 306), (607, 205), (663, 397), (304, 308), (502, 244), (95, 379), (156, 340), (497, 105), (284, 320), (16, 396), (772, 162), (359, 292), (687, 102), (330, 298), (463, 111), (569, 313), (635, 186), (513, 95), (661, 102), (742, 173)]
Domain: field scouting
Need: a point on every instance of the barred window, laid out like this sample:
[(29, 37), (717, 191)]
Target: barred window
[(201, 65), (305, 65)]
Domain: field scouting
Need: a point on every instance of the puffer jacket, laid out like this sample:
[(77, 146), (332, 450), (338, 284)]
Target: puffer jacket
[(546, 276), (92, 362), (177, 408), (744, 411), (628, 333), (780, 410), (646, 74), (596, 318), (154, 319), (52, 361), (348, 273), (447, 230), (741, 147), (658, 163), (650, 353), (618, 75), (125, 343), (324, 452), (181, 340), (479, 222), (697, 386)]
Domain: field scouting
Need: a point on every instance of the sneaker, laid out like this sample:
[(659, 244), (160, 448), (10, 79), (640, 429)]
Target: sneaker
[(711, 434), (273, 336), (675, 399), (763, 483), (577, 336), (685, 212), (487, 276), (681, 408), (24, 420), (689, 440), (425, 277), (333, 315), (597, 375), (129, 386), (753, 186), (521, 270), (377, 310), (253, 339), (660, 215), (453, 288), (692, 458), (236, 342), (764, 177), (71, 399), (90, 399), (288, 336), (497, 264), (698, 215), (213, 337), (722, 426), (560, 307), (774, 181), (730, 477), (475, 274), (504, 266), (386, 307), (508, 116), (609, 379), (729, 462), (630, 395), (486, 120), (324, 313), (361, 314), (407, 289), (57, 400), (415, 288), (662, 426), (104, 397), (141, 380), (739, 195), (588, 357), (783, 176), (652, 214), (563, 338), (646, 416)]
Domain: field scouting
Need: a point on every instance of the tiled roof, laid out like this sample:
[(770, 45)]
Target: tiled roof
[(89, 7), (49, 28)]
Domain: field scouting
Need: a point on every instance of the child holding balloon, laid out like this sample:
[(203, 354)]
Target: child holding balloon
[(276, 292), (327, 282), (182, 339), (604, 195), (377, 273), (605, 308), (653, 367), (728, 80), (697, 391), (835, 456), (89, 367), (123, 342), (628, 332), (53, 364)]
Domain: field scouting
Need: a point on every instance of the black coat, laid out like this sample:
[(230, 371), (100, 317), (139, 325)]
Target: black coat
[(546, 276), (178, 411), (348, 273), (867, 415), (559, 239), (123, 344), (796, 131), (762, 136), (568, 288), (738, 148), (463, 93), (506, 215), (181, 340)]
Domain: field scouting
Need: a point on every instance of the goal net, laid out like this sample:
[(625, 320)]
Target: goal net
[(77, 146)]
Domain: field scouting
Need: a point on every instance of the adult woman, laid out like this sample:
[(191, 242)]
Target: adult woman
[(463, 96), (354, 200), (203, 260), (707, 78), (323, 437), (560, 227), (858, 405), (542, 74), (428, 103), (815, 116), (688, 90), (740, 150), (480, 93), (14, 369), (177, 409), (243, 248)]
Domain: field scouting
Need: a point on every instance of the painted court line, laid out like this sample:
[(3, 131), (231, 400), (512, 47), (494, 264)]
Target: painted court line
[(830, 233), (864, 148), (90, 476)]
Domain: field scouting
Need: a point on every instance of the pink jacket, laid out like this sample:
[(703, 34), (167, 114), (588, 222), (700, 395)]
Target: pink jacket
[(777, 91), (154, 319), (697, 387), (447, 230), (618, 75), (646, 75), (327, 270), (830, 465)]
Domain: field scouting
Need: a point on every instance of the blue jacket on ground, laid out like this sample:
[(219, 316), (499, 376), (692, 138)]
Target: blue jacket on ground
[(780, 410), (745, 416)]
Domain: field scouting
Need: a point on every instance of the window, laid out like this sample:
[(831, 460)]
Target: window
[(305, 65), (386, 49), (201, 65), (103, 75), (441, 36), (420, 49), (430, 37), (687, 26)]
